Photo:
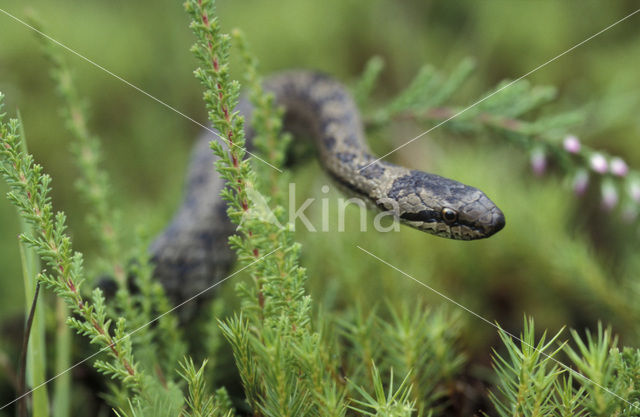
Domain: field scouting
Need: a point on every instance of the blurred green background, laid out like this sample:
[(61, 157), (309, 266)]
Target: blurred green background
[(560, 258)]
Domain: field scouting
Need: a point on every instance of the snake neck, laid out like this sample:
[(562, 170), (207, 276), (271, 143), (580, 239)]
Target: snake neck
[(319, 107)]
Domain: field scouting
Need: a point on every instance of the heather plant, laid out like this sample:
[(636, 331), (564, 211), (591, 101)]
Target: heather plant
[(506, 112), (292, 355)]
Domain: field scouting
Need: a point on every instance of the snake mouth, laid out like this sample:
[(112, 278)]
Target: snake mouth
[(490, 228), (499, 222)]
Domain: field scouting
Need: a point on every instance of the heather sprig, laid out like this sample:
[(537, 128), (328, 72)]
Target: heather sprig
[(220, 97), (284, 293), (63, 270), (367, 81), (274, 342), (93, 183), (512, 112)]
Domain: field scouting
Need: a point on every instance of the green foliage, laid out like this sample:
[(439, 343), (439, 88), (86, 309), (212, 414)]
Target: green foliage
[(367, 81), (392, 404), (422, 344), (427, 90), (333, 357), (162, 401), (160, 346), (418, 342), (527, 377), (613, 375), (64, 271), (533, 381), (199, 403), (92, 183), (266, 121)]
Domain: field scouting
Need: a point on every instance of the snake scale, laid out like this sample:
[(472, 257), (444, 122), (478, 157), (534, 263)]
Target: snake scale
[(192, 252)]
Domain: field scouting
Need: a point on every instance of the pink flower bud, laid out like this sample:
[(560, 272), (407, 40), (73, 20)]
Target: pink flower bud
[(581, 182), (538, 161), (619, 167), (599, 163), (571, 144), (609, 195)]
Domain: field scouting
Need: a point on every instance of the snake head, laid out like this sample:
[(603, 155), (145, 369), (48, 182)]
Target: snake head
[(445, 207)]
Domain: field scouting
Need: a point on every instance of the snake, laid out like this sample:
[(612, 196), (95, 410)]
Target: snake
[(192, 252)]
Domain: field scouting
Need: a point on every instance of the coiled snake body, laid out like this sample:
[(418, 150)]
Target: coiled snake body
[(192, 252)]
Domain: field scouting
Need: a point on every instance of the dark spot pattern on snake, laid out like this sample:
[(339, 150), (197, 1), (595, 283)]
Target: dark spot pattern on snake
[(345, 156)]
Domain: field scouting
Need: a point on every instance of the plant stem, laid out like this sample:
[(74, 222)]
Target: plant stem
[(62, 387)]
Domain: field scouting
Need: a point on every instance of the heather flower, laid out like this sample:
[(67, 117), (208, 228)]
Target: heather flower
[(619, 167), (599, 163), (571, 144)]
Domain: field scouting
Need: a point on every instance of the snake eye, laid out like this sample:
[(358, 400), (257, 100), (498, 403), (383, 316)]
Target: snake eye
[(449, 215)]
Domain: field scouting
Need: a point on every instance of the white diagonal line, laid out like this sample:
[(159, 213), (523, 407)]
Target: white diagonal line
[(473, 313), (135, 87), (140, 328), (502, 88)]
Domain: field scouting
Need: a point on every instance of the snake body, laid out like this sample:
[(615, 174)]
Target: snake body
[(192, 252)]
